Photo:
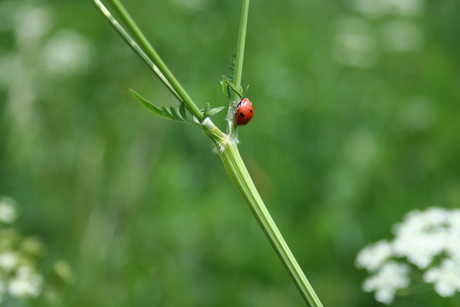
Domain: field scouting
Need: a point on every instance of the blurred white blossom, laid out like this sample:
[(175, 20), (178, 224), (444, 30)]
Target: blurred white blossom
[(25, 283), (19, 277), (67, 52), (8, 261), (421, 239), (31, 22), (7, 210), (391, 277), (422, 236), (446, 277), (374, 255)]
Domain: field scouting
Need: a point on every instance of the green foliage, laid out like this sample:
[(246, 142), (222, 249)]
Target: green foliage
[(228, 86), (207, 112), (178, 114)]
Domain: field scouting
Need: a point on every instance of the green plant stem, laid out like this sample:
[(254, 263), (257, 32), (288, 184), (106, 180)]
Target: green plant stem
[(134, 46), (238, 72), (241, 44), (240, 176), (153, 55)]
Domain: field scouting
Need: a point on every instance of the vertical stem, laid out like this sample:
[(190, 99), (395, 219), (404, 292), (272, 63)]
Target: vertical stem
[(241, 44), (238, 73)]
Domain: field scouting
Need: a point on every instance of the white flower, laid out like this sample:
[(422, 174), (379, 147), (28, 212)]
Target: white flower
[(18, 276), (7, 210), (391, 277), (25, 283), (453, 235), (446, 278), (32, 22), (420, 249), (8, 261), (66, 53), (421, 221), (373, 256), (453, 220), (422, 236)]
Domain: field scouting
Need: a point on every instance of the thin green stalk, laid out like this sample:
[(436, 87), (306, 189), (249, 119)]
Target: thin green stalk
[(240, 176), (241, 43), (238, 72), (135, 46), (153, 55)]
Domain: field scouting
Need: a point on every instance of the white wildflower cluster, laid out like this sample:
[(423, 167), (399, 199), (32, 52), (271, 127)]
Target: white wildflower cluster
[(426, 240), (19, 278)]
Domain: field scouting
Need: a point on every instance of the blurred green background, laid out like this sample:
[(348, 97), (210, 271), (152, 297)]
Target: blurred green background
[(357, 122)]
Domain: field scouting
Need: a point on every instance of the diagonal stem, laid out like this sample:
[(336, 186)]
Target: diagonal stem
[(240, 176), (148, 54), (135, 46)]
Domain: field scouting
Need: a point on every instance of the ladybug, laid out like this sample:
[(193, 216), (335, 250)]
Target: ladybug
[(245, 112)]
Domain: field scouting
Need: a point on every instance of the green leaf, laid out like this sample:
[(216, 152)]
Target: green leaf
[(147, 104), (174, 113), (215, 111), (182, 111), (238, 90), (247, 87), (167, 112), (225, 88), (171, 113), (231, 68), (206, 110)]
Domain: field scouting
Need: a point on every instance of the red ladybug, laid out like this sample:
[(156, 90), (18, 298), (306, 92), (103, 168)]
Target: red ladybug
[(245, 112)]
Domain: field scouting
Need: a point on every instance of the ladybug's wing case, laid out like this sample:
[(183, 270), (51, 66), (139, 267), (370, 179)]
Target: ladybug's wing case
[(245, 112)]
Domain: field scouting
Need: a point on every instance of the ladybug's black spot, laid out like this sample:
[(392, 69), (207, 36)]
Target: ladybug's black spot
[(241, 114), (250, 111)]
